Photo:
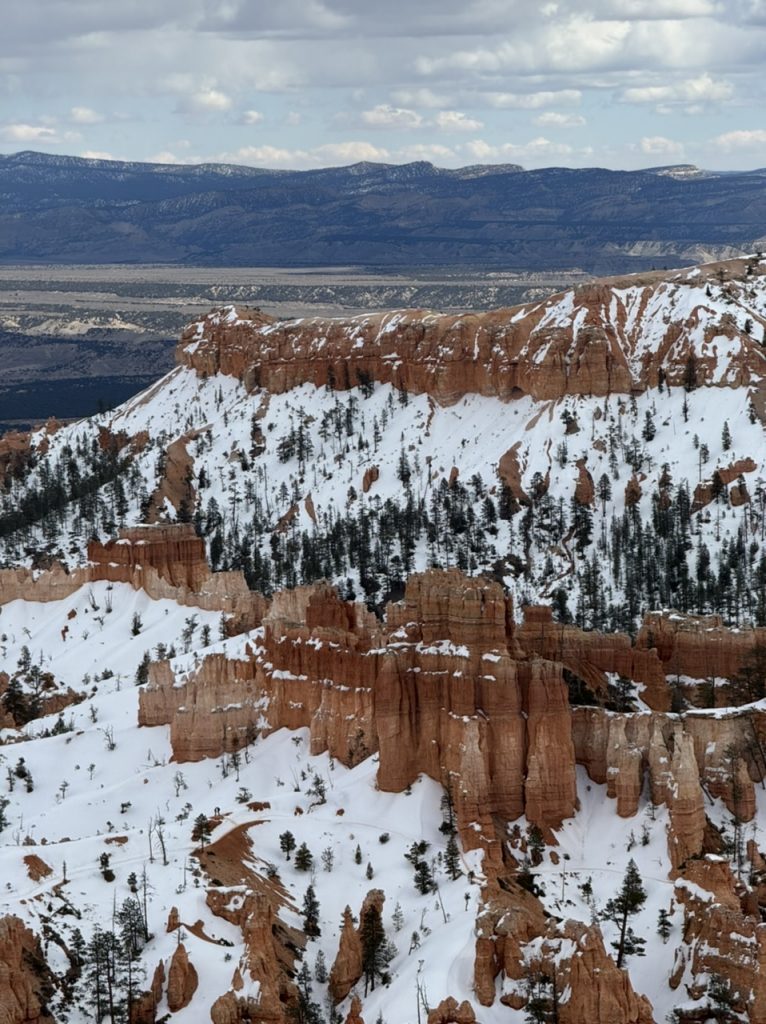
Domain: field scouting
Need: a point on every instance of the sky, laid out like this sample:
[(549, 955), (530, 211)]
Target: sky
[(313, 83)]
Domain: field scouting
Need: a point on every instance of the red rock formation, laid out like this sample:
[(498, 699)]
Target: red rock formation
[(448, 1012), (586, 342), (347, 967), (166, 561), (24, 975), (598, 991), (371, 474), (584, 493), (719, 939), (355, 1013), (182, 980)]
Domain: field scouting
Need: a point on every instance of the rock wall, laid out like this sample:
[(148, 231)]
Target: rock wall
[(441, 689), (668, 646), (586, 341), (167, 561), (24, 976)]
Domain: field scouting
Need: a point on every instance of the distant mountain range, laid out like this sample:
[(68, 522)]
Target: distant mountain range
[(66, 209)]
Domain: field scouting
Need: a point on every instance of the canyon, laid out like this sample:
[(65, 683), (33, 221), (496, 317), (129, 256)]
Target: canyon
[(360, 582)]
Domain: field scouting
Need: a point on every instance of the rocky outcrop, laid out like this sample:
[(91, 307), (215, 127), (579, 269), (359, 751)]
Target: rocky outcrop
[(347, 967), (25, 978), (595, 990), (441, 689), (182, 980), (720, 938), (667, 647), (167, 561), (354, 1015), (448, 1012), (588, 341)]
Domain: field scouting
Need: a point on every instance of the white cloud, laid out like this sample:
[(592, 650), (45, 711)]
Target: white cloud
[(553, 119), (456, 121), (534, 150), (84, 115), (658, 145), (350, 152), (697, 92), (293, 119), (96, 154), (207, 100), (741, 139), (331, 154), (251, 117), (424, 151), (42, 134), (532, 100), (386, 116)]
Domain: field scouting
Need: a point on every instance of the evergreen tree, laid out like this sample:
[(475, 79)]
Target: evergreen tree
[(625, 905), (452, 858), (664, 925), (424, 879), (310, 912), (304, 860), (287, 844), (376, 952), (726, 436)]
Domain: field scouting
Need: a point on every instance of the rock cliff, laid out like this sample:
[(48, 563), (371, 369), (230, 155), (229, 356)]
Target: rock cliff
[(589, 341)]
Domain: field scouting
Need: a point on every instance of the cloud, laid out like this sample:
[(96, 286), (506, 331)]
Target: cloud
[(690, 92), (38, 134), (532, 100), (553, 119), (84, 115), (433, 152), (386, 116), (456, 121), (534, 150), (330, 154), (741, 139), (251, 117), (207, 100), (96, 154), (658, 145)]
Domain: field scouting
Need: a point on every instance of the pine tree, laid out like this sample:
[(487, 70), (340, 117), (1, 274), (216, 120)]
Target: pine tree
[(287, 844), (304, 860), (202, 829), (452, 858), (424, 880), (310, 912), (376, 952), (625, 904), (320, 968), (664, 925), (726, 436)]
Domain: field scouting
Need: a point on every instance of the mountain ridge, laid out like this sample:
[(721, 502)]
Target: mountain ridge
[(69, 210)]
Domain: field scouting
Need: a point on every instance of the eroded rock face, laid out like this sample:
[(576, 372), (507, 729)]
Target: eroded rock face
[(347, 968), (587, 341), (182, 980), (599, 992), (721, 937), (24, 975), (448, 1012), (442, 689)]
